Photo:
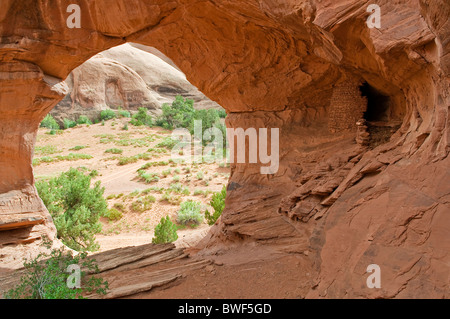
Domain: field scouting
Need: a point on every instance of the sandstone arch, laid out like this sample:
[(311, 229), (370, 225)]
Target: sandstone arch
[(270, 64)]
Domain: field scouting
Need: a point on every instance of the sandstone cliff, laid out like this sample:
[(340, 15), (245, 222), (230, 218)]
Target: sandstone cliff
[(308, 67), (128, 77)]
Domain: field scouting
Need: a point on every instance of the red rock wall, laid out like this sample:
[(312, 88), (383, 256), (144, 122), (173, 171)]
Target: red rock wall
[(274, 64)]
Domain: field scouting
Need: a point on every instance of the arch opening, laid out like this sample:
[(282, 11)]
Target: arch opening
[(122, 81)]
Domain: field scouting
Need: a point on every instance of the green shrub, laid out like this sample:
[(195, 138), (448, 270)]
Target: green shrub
[(46, 150), (75, 208), (47, 276), (59, 158), (148, 177), (123, 113), (198, 192), (142, 118), (166, 172), (165, 232), (151, 164), (125, 127), (218, 204), (119, 206), (222, 113), (83, 119), (167, 142), (77, 148), (133, 159), (69, 124), (171, 199), (50, 123), (200, 175), (190, 213), (179, 114), (94, 173), (208, 118), (143, 204), (155, 189), (107, 115), (114, 151), (177, 188), (114, 214)]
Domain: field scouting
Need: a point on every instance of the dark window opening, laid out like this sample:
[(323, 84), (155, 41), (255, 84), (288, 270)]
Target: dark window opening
[(377, 104), (377, 117)]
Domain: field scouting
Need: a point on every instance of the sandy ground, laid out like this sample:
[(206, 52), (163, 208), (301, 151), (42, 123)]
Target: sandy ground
[(122, 181)]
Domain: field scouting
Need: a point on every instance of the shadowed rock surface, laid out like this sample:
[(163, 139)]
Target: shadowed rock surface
[(345, 195)]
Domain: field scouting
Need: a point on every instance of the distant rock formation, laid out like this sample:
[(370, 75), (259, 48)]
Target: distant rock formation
[(128, 76)]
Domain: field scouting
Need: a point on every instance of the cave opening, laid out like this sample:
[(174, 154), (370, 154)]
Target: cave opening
[(377, 104), (377, 116)]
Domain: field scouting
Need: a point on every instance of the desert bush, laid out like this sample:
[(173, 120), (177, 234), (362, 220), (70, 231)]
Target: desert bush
[(123, 113), (143, 204), (190, 213), (167, 143), (69, 124), (133, 159), (46, 150), (114, 214), (77, 148), (114, 151), (107, 115), (171, 199), (46, 276), (83, 119), (218, 204), (142, 118), (208, 118), (222, 113), (200, 175), (179, 114), (119, 206), (148, 177), (59, 158), (166, 172), (75, 208), (94, 173), (50, 123), (177, 188), (165, 232)]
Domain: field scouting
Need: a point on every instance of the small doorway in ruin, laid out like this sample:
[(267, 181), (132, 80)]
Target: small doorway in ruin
[(377, 116)]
